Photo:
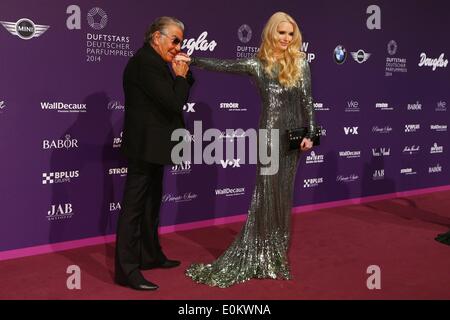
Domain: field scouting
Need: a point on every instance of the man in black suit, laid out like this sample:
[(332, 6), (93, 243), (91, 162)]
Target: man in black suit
[(154, 100)]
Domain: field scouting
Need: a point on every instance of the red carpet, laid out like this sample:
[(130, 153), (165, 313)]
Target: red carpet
[(330, 252)]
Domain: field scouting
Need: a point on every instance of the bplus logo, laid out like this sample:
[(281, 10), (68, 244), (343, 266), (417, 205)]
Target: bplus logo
[(314, 182), (412, 127), (351, 130), (59, 177)]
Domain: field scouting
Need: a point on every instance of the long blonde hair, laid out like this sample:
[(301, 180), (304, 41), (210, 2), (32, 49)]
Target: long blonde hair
[(289, 64)]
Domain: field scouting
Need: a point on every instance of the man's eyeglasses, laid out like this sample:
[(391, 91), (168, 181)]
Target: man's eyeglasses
[(176, 41)]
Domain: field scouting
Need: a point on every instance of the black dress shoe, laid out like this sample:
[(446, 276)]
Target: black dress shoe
[(166, 264), (137, 282)]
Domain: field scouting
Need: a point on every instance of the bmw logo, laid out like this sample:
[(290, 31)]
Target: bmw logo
[(340, 54)]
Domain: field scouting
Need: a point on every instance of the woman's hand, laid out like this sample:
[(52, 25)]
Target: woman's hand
[(306, 144)]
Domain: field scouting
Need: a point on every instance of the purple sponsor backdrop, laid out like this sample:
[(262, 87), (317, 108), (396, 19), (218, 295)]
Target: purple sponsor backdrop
[(61, 107)]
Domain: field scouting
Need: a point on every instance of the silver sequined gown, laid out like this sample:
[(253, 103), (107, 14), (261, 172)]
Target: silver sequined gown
[(260, 249)]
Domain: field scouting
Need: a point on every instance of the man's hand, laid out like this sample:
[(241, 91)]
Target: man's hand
[(306, 144), (180, 68)]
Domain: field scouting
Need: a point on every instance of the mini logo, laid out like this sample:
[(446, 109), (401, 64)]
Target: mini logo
[(59, 177), (350, 154), (383, 106), (25, 28), (189, 107), (441, 106), (314, 158), (412, 127), (360, 56), (352, 106), (118, 171), (189, 196), (313, 182), (351, 130), (349, 178), (378, 175), (381, 152), (392, 47), (433, 63), (436, 149), (414, 106), (60, 211), (439, 127), (97, 18), (339, 54), (116, 105), (437, 168), (411, 150), (230, 163), (244, 33)]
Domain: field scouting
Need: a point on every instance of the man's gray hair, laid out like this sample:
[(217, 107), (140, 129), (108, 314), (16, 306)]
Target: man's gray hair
[(161, 24)]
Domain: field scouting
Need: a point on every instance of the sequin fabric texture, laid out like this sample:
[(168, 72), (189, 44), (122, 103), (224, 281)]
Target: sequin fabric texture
[(260, 249)]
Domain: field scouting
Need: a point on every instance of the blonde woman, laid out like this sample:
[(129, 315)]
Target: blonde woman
[(282, 75)]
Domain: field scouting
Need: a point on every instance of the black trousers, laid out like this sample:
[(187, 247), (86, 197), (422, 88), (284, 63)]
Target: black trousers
[(137, 240)]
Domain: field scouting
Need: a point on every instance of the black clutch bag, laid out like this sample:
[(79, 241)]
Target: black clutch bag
[(295, 136)]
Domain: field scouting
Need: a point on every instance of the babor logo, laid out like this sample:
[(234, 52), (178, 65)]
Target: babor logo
[(244, 33), (360, 56), (414, 106), (351, 130), (97, 18), (25, 28), (67, 143)]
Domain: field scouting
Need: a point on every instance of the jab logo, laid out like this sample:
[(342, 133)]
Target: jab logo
[(181, 168), (189, 107), (412, 127), (351, 130), (60, 211), (230, 163), (378, 174)]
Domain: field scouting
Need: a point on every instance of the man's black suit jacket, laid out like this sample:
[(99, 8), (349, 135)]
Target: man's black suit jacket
[(154, 101)]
